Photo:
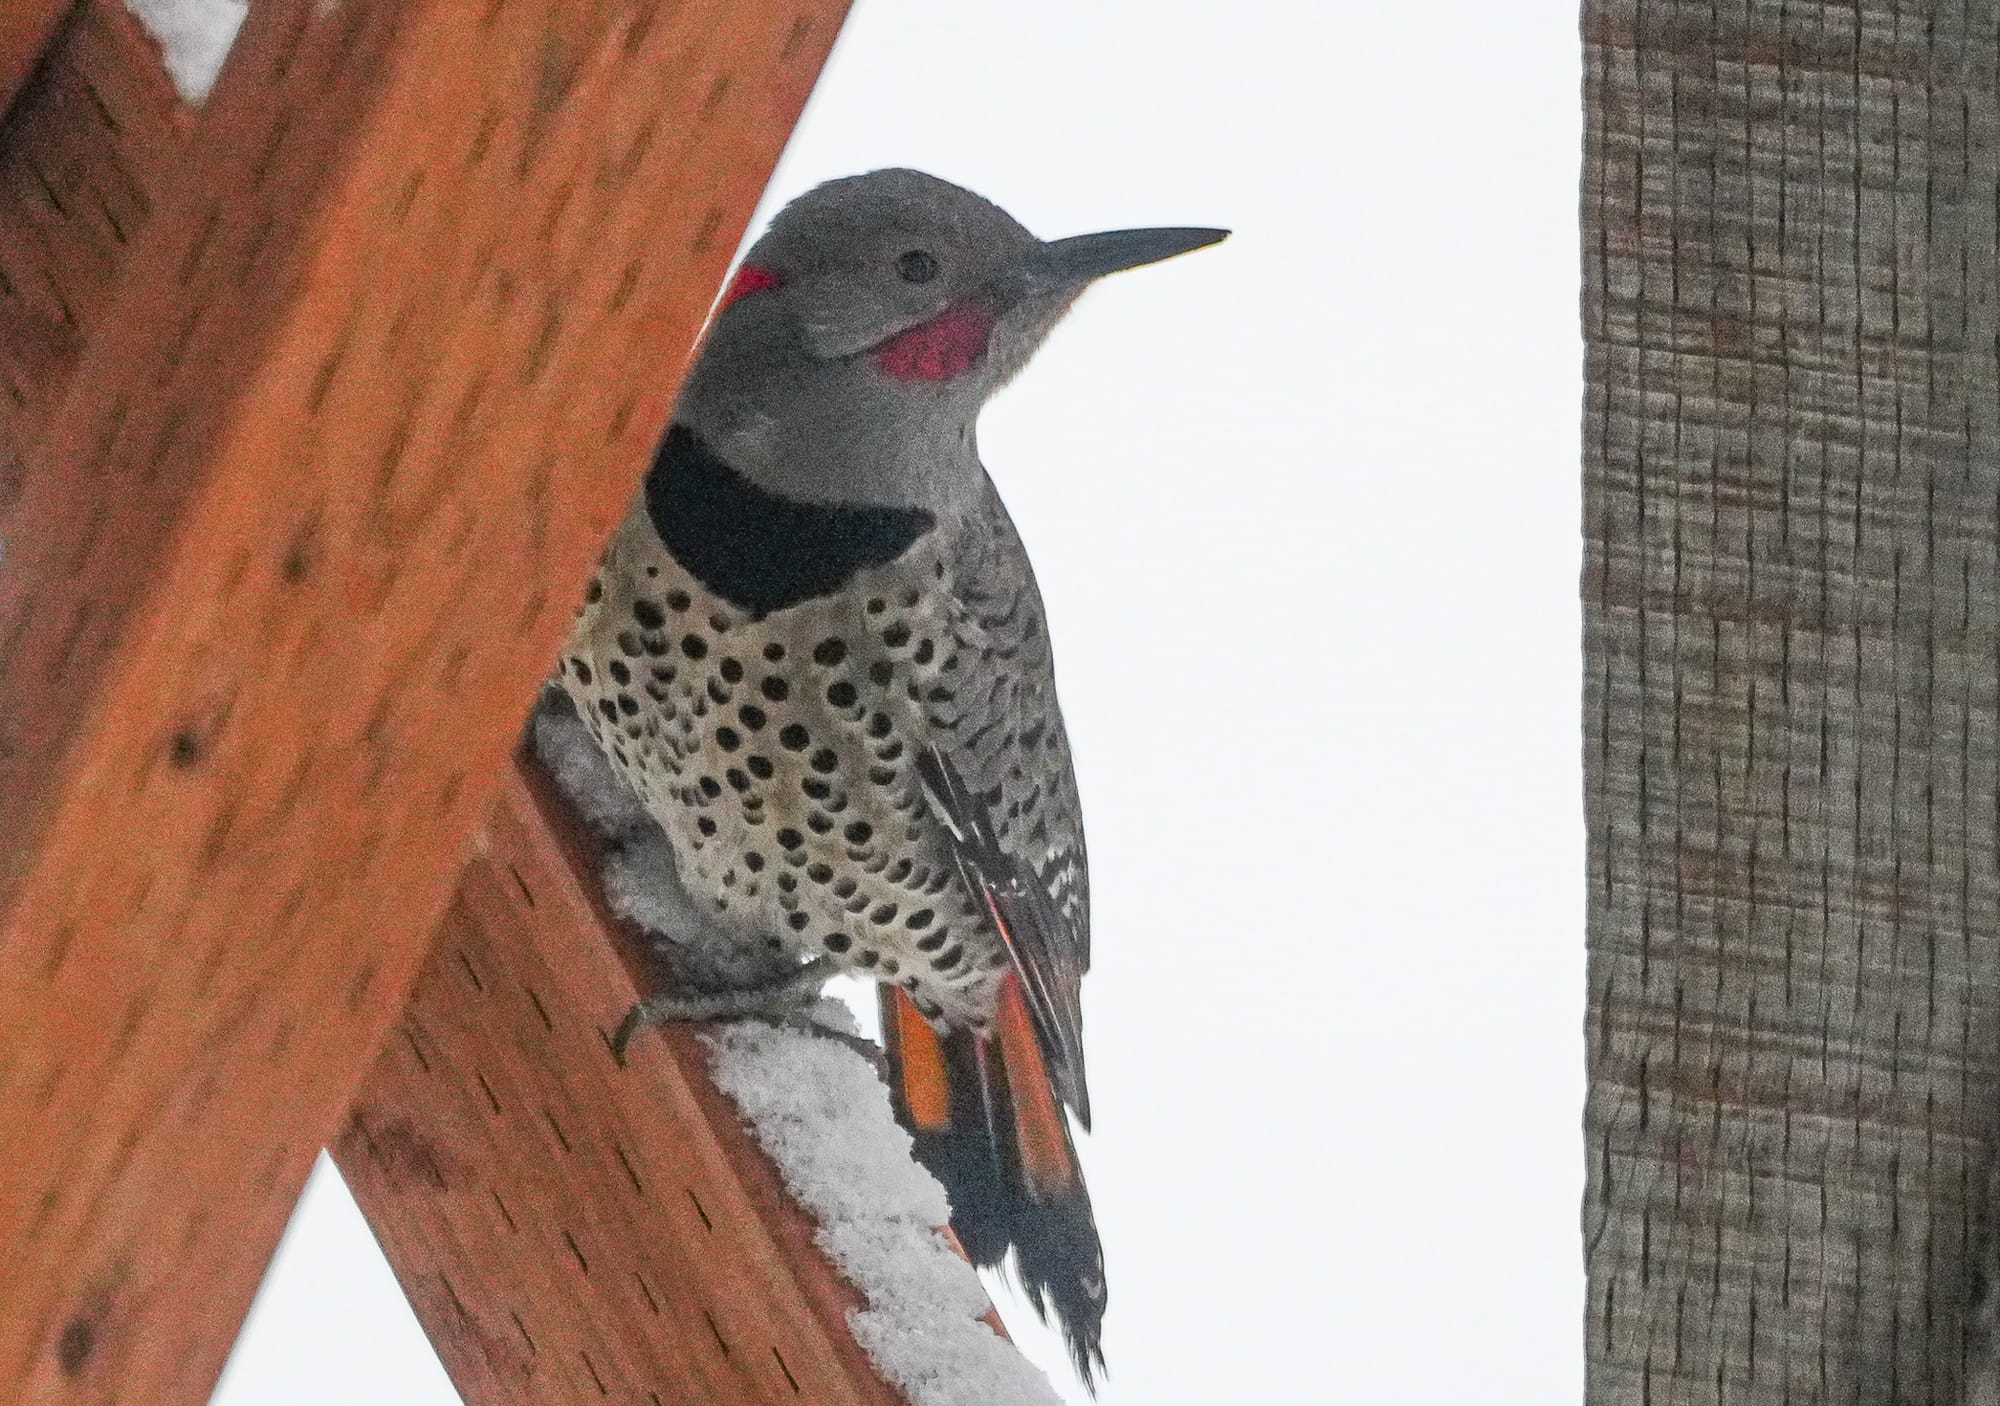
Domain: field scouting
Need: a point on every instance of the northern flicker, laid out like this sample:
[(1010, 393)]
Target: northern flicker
[(816, 652)]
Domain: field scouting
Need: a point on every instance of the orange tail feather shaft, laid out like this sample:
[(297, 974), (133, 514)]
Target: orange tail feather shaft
[(988, 1124)]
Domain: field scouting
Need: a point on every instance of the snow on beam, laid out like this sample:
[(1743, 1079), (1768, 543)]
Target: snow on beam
[(278, 577)]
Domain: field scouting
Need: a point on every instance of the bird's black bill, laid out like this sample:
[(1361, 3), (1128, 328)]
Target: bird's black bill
[(1086, 256)]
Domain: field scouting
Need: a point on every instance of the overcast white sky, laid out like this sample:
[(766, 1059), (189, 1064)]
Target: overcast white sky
[(1305, 513)]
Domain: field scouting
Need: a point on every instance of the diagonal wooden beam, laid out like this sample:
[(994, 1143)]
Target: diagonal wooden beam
[(566, 1227), (83, 156), (509, 1312), (280, 573)]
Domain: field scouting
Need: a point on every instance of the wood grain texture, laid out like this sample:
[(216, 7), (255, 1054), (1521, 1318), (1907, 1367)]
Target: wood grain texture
[(1792, 609), (83, 156), (566, 1228), (281, 573), (27, 27)]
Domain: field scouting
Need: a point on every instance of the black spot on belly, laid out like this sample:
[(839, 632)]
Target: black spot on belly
[(758, 550)]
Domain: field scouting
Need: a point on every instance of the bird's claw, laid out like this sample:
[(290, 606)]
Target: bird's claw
[(777, 1000)]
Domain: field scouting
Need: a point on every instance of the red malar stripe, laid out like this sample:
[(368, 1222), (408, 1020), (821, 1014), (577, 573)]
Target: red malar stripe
[(750, 278)]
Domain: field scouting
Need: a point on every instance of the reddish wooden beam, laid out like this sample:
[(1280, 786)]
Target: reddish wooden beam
[(281, 573), (103, 117), (565, 1226), (27, 27), (83, 156)]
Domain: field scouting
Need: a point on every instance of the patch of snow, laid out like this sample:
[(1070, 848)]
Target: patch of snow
[(194, 38), (582, 771), (821, 1112)]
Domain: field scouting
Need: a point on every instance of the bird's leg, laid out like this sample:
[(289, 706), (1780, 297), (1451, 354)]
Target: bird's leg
[(790, 993)]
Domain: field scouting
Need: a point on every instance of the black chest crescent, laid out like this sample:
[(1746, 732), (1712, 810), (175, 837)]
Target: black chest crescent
[(757, 550)]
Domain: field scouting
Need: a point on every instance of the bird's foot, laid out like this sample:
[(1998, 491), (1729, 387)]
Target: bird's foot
[(782, 998)]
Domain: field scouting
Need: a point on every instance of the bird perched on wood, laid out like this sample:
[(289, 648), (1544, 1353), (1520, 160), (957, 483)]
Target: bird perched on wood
[(816, 652)]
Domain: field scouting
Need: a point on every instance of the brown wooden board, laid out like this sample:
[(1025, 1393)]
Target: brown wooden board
[(82, 157), (568, 1228), (27, 28), (282, 571), (1792, 610)]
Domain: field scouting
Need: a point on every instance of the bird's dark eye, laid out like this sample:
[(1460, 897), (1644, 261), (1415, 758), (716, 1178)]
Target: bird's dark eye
[(917, 266)]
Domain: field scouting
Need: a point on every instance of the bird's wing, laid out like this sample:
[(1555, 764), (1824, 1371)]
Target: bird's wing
[(997, 773)]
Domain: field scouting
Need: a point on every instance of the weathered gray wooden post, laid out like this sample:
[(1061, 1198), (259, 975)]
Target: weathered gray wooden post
[(1792, 515)]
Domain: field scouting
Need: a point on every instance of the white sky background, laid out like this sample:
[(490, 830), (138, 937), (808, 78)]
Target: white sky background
[(1305, 512)]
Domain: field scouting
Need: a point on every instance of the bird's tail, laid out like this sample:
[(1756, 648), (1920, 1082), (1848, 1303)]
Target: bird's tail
[(987, 1123)]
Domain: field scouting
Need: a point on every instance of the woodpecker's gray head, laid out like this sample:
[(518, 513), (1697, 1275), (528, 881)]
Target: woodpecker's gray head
[(852, 352)]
